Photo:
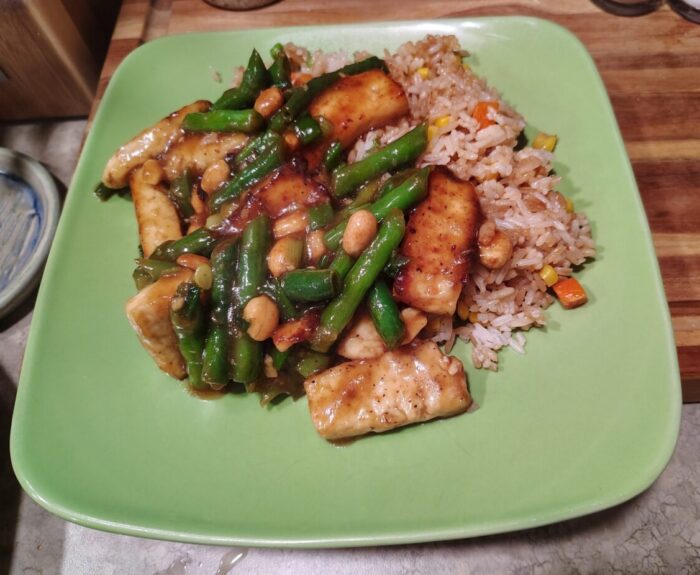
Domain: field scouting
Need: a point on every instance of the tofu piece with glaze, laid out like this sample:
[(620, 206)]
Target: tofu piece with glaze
[(411, 384), (440, 240), (355, 105), (149, 314), (148, 144), (156, 215)]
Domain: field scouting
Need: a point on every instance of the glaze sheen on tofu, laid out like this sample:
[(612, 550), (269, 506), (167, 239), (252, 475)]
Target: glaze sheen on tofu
[(149, 314), (148, 144), (411, 384), (440, 239), (157, 218), (354, 105), (196, 152)]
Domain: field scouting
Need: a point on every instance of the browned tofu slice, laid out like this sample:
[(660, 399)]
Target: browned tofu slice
[(149, 314), (196, 152), (411, 384), (148, 144), (288, 190), (353, 106), (440, 240), (156, 215)]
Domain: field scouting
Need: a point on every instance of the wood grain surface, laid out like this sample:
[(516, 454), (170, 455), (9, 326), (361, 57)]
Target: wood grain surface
[(650, 66)]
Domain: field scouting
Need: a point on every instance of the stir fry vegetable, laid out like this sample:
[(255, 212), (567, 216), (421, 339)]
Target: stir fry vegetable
[(279, 253)]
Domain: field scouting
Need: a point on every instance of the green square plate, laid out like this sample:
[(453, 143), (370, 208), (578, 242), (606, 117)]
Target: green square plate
[(586, 419)]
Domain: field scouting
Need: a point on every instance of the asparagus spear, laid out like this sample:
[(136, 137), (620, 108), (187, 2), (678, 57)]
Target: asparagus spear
[(246, 353), (246, 121), (255, 78), (363, 274), (385, 314), (346, 179), (187, 317), (215, 356)]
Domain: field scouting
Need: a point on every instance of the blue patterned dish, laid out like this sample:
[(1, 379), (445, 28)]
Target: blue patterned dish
[(29, 209)]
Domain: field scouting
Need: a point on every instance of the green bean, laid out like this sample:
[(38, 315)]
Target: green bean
[(342, 263), (334, 236), (216, 346), (301, 96), (246, 121), (187, 317), (148, 271), (180, 194), (385, 314), (324, 261), (311, 285), (307, 129), (280, 71), (199, 242), (320, 216), (346, 179), (279, 358), (396, 180), (246, 353), (103, 192), (397, 261), (250, 175), (255, 78), (308, 362), (333, 156), (359, 280), (254, 148), (409, 193), (367, 193), (286, 307)]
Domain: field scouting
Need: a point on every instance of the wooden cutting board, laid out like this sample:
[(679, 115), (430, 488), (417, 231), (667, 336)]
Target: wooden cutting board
[(650, 66)]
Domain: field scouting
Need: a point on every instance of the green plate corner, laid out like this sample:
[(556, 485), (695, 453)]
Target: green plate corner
[(587, 419)]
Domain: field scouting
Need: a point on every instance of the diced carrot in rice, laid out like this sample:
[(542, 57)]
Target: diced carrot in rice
[(481, 113), (570, 293)]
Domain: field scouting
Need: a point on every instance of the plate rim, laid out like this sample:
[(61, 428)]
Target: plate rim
[(627, 492)]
